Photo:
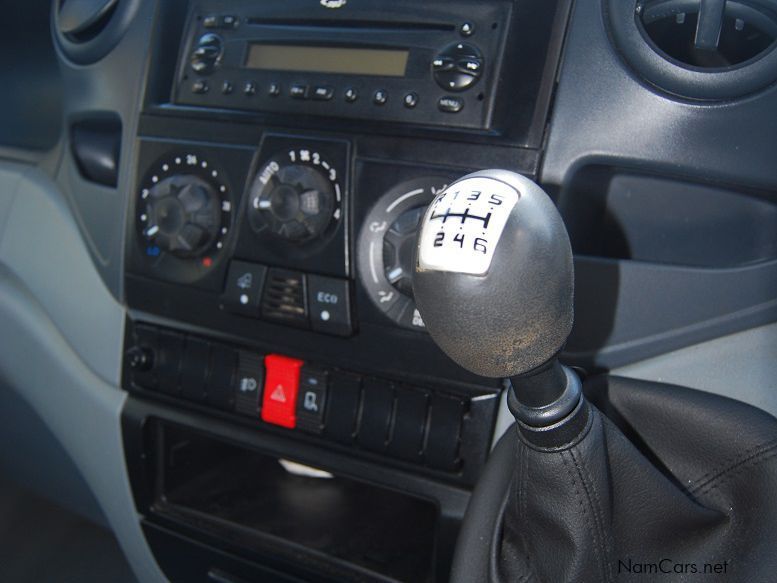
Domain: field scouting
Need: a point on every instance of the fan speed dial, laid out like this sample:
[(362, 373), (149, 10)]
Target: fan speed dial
[(295, 196)]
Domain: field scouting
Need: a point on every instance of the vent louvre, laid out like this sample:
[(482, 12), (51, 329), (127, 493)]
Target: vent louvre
[(709, 34), (708, 50), (81, 21), (284, 297), (87, 30)]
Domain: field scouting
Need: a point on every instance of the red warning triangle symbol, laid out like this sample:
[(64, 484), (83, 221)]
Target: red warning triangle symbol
[(278, 394)]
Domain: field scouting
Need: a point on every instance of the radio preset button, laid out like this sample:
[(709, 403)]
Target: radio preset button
[(299, 91), (351, 95), (216, 21), (249, 88), (467, 29), (323, 93), (229, 21), (227, 88), (200, 87), (380, 97), (411, 100), (274, 90), (450, 104)]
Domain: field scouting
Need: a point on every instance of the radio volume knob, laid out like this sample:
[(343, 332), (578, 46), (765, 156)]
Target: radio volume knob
[(207, 54)]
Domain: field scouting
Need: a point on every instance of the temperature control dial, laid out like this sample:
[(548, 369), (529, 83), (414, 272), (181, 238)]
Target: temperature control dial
[(387, 246), (184, 211), (184, 215), (295, 196)]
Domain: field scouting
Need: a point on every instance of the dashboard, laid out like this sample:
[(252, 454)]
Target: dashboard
[(208, 220)]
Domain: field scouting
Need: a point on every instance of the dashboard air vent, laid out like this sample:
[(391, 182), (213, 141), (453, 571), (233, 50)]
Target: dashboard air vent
[(284, 296), (709, 34), (87, 30), (82, 20), (707, 50)]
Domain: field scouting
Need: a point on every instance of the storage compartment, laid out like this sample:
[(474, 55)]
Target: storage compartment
[(337, 528), (619, 214)]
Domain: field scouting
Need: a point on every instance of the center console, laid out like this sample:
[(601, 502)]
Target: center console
[(289, 417)]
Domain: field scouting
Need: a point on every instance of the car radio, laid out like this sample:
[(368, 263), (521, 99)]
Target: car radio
[(362, 60)]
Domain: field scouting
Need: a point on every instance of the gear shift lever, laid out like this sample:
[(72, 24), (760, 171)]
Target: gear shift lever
[(689, 492), (493, 283)]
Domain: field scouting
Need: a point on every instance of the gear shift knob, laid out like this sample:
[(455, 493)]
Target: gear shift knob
[(493, 274)]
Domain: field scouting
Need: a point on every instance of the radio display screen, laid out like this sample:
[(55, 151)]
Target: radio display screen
[(342, 60)]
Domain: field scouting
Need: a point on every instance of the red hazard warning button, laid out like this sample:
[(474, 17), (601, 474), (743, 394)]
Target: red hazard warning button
[(281, 382)]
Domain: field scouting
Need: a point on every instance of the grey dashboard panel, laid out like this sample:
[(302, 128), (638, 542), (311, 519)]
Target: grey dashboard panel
[(626, 311), (112, 85), (605, 113), (606, 116), (60, 344), (40, 245), (742, 366), (37, 460)]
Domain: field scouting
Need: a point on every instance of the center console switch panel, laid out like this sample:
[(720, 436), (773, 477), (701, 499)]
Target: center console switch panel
[(432, 428)]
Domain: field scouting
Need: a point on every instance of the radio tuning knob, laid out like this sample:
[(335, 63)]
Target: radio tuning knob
[(184, 215)]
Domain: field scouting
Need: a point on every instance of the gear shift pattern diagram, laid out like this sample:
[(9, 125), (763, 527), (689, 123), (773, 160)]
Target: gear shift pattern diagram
[(468, 218)]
